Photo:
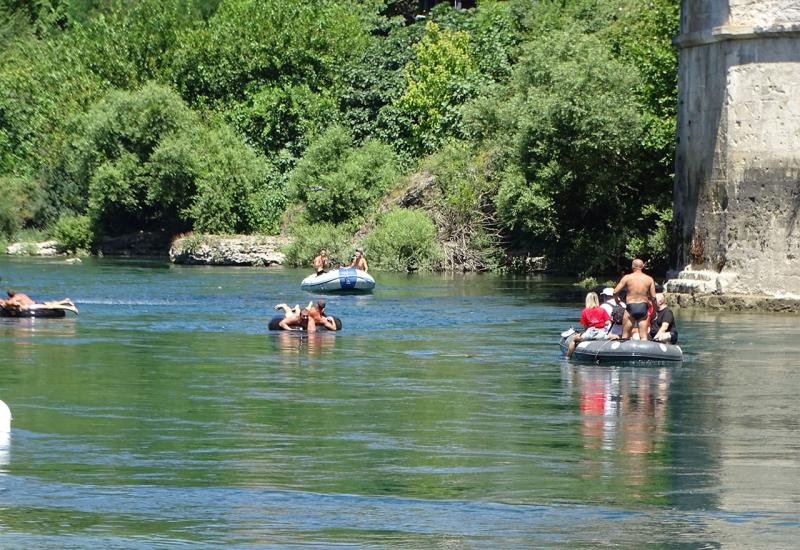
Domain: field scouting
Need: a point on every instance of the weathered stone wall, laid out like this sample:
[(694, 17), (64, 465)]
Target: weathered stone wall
[(737, 189), (228, 250)]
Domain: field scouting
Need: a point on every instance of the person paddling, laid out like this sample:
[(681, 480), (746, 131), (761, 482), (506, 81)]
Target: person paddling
[(641, 291)]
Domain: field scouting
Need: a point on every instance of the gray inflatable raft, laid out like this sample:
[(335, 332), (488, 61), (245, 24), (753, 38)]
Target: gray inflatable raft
[(619, 351)]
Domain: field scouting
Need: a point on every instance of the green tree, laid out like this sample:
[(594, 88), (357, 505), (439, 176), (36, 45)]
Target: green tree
[(340, 182), (404, 240), (441, 77), (147, 161), (573, 132)]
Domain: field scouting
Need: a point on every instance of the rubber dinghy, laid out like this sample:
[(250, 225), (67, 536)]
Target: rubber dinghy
[(344, 279), (49, 311), (619, 351), (274, 324)]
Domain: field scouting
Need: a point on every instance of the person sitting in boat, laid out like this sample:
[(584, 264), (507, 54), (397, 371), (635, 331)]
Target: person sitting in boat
[(317, 313), (359, 261), (321, 262), (616, 311), (594, 318), (664, 328)]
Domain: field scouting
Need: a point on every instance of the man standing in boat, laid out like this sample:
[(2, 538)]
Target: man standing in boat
[(641, 291), (321, 262)]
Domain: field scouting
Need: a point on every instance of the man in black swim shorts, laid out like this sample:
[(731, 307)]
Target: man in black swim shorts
[(637, 311), (641, 291)]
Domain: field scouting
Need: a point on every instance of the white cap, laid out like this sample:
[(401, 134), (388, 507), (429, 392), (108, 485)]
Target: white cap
[(607, 291)]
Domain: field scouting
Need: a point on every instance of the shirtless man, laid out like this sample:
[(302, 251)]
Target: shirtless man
[(16, 300), (303, 320), (317, 313), (641, 289), (321, 262), (359, 261)]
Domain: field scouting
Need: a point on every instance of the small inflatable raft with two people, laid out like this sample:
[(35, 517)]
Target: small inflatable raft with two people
[(627, 351), (342, 280)]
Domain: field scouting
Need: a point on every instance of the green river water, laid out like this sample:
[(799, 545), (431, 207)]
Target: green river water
[(443, 415)]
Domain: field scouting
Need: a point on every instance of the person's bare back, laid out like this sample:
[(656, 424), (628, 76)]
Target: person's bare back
[(639, 286), (640, 289)]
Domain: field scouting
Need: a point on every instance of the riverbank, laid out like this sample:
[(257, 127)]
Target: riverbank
[(265, 250), (734, 302), (253, 250)]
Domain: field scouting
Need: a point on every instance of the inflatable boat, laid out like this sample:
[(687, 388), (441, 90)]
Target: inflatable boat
[(274, 324), (344, 279), (39, 311), (619, 351)]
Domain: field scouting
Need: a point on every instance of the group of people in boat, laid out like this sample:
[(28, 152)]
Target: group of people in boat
[(17, 302), (322, 263), (644, 314)]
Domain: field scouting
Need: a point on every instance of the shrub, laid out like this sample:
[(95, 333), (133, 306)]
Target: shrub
[(439, 80), (74, 233), (149, 162), (10, 220), (404, 240), (464, 213), (15, 207), (340, 182), (309, 239)]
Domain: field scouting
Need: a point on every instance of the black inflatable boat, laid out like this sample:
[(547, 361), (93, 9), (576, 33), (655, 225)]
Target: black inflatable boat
[(622, 351)]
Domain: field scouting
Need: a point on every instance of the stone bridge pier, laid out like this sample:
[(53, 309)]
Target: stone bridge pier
[(737, 183)]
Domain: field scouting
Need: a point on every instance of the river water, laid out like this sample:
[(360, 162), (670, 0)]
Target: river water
[(443, 415)]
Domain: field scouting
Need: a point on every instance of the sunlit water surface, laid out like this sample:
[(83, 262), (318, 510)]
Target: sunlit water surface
[(443, 415)]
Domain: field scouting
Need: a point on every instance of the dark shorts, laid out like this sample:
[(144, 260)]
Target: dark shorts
[(638, 311)]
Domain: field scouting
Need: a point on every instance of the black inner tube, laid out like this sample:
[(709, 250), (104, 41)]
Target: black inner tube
[(274, 323)]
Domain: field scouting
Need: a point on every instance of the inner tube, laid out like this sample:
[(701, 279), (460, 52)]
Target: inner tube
[(274, 324), (629, 351), (35, 312)]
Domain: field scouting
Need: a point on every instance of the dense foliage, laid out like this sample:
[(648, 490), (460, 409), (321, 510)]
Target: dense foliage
[(520, 128)]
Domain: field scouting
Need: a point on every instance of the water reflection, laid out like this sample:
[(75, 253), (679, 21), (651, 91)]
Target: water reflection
[(5, 445), (623, 416), (294, 344)]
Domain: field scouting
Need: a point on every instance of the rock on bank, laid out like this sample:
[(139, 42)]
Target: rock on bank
[(258, 250)]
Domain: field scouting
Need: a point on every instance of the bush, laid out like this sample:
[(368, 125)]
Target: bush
[(440, 79), (464, 213), (10, 219), (404, 240), (340, 182), (19, 197), (74, 233), (149, 162), (309, 239)]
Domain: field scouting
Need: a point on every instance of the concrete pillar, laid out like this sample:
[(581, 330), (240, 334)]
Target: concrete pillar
[(737, 183)]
